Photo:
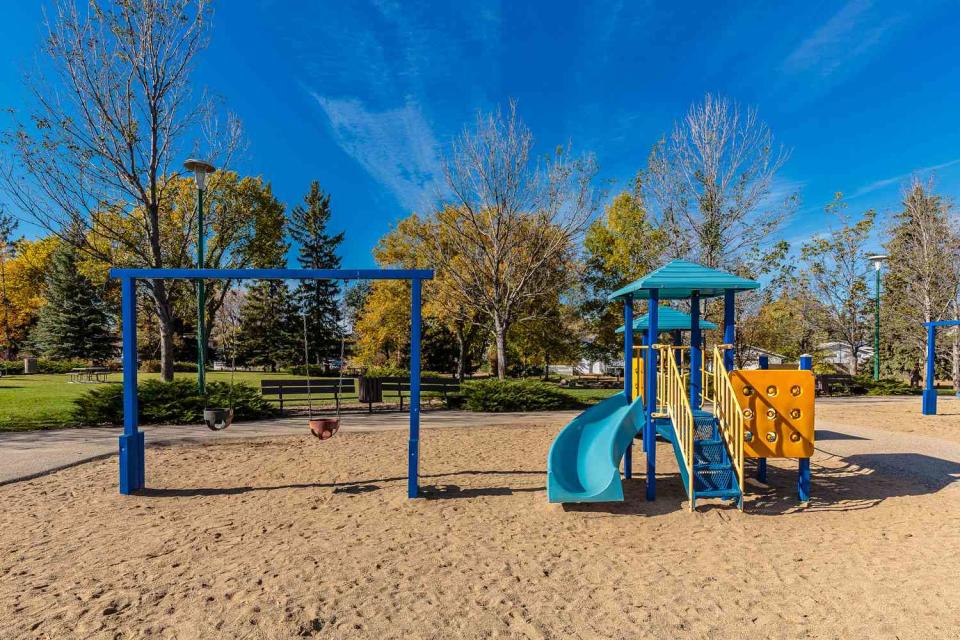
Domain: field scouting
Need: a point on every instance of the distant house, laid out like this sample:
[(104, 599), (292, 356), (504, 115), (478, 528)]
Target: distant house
[(839, 353), (750, 357), (586, 366)]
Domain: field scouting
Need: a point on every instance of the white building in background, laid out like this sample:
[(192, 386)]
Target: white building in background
[(588, 367), (750, 356), (839, 353)]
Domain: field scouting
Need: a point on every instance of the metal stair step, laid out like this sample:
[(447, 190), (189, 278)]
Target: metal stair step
[(718, 493), (712, 466), (714, 477), (711, 450)]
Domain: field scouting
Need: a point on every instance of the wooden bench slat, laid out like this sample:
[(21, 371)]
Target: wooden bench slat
[(313, 381), (305, 389)]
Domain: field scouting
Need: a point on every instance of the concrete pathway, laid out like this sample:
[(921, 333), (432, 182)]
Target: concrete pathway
[(932, 461), (28, 454)]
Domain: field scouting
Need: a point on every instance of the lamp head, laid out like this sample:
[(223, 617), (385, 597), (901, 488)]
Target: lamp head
[(877, 260), (200, 169)]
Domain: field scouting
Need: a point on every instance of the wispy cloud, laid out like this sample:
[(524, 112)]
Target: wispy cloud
[(877, 185), (842, 41), (395, 146), (384, 74)]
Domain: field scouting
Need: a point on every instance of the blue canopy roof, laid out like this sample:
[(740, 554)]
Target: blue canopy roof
[(669, 319), (677, 280)]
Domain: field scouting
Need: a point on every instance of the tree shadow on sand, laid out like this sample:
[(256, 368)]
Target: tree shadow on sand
[(826, 434), (438, 491), (853, 483), (841, 484)]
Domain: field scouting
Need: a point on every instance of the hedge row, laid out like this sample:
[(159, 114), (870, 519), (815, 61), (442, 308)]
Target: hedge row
[(153, 366), (176, 402), (15, 367), (516, 395)]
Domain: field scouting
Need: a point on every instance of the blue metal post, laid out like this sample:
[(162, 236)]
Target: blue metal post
[(413, 484), (696, 355), (645, 341), (763, 362), (628, 375), (729, 326), (803, 477), (803, 480), (929, 391), (650, 432), (762, 469), (132, 470)]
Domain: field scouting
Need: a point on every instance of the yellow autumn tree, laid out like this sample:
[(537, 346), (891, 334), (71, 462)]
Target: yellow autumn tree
[(25, 279), (383, 327)]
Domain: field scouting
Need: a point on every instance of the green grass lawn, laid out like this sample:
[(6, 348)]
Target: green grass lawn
[(591, 396), (46, 401)]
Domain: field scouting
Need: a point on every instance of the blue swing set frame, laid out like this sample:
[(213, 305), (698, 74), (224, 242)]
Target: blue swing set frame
[(929, 402), (132, 464)]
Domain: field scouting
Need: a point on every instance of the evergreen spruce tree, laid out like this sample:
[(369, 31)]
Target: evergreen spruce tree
[(75, 322), (269, 332), (318, 250)]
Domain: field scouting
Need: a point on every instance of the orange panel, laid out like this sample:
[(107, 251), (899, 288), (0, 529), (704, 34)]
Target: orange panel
[(778, 412)]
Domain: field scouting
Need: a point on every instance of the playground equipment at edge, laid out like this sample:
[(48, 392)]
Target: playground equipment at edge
[(713, 416)]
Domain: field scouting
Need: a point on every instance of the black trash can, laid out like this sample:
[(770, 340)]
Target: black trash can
[(371, 390)]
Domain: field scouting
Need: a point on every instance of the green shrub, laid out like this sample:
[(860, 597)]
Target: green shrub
[(15, 367), (887, 387), (176, 402), (455, 401), (153, 366), (516, 395)]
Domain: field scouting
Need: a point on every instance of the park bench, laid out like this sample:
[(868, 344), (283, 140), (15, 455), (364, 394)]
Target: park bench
[(838, 384), (296, 390), (89, 375), (400, 387)]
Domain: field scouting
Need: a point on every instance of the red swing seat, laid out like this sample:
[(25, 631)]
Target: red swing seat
[(324, 428)]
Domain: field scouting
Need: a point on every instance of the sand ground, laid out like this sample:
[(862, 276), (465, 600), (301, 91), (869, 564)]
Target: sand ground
[(893, 414), (292, 538)]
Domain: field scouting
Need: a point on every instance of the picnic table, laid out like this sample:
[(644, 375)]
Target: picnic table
[(89, 375)]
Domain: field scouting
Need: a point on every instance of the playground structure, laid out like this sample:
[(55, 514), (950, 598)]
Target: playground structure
[(929, 407), (132, 463), (713, 416)]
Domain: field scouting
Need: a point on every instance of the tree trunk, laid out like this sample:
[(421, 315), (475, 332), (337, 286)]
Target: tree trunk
[(166, 348), (500, 337), (854, 360), (165, 318), (955, 368), (461, 351)]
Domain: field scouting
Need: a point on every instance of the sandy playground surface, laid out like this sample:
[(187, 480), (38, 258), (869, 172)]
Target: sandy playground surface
[(893, 414), (291, 538)]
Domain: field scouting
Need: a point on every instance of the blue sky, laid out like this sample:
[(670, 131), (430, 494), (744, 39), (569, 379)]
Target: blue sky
[(366, 96)]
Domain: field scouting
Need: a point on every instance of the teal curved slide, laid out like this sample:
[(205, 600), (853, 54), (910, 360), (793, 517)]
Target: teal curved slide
[(584, 460)]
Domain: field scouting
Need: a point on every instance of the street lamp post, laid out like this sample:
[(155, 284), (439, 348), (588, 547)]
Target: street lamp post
[(200, 169), (877, 262)]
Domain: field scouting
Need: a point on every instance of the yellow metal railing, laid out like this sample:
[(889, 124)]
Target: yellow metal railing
[(728, 411), (707, 393), (672, 396)]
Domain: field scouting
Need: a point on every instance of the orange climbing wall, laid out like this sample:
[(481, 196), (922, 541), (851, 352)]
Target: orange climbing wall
[(778, 412)]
